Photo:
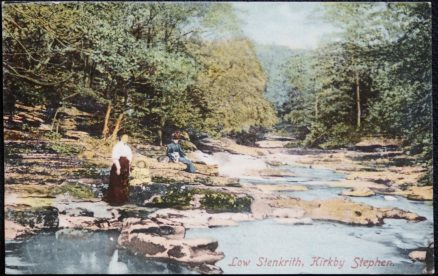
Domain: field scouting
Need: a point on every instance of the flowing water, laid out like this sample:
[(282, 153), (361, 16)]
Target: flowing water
[(259, 242), (270, 247), (252, 247)]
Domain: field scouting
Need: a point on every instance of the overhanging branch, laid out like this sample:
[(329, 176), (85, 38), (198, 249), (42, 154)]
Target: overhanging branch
[(32, 80)]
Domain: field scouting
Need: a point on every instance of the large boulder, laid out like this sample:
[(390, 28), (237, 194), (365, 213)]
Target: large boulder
[(159, 238)]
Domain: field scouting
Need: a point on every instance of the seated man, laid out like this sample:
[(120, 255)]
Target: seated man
[(176, 153)]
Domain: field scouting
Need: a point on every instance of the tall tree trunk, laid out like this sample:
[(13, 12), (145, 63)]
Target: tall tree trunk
[(54, 119), (160, 130), (13, 101), (85, 77), (160, 136), (92, 69), (149, 32), (117, 127), (105, 130), (316, 106), (126, 96), (359, 112)]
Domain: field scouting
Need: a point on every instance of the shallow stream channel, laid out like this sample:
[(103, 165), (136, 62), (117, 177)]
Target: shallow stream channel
[(262, 246)]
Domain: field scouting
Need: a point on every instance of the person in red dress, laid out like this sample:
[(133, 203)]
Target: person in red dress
[(118, 189)]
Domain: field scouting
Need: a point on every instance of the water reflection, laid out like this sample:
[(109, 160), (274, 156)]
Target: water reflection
[(94, 253)]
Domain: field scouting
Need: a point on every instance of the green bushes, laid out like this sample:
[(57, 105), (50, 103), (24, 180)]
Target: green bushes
[(223, 202)]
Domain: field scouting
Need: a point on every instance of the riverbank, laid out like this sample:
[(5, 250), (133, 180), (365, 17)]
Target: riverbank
[(57, 185)]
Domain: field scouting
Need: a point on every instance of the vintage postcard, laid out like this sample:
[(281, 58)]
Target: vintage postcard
[(217, 137)]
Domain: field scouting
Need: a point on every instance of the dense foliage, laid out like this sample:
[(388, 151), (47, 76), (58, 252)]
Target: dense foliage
[(141, 67), (150, 68), (231, 87), (374, 78)]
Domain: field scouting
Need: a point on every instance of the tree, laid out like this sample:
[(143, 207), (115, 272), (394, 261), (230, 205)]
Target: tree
[(231, 85), (361, 85), (403, 107), (131, 64)]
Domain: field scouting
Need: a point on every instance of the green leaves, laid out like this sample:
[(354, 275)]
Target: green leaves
[(231, 87), (388, 48)]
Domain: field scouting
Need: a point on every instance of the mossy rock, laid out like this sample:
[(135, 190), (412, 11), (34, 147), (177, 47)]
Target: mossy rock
[(180, 197), (224, 202), (294, 144), (35, 217), (141, 193), (177, 197), (76, 190), (167, 180), (134, 213)]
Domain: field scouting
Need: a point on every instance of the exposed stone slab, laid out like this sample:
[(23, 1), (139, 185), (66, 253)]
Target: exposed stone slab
[(163, 239), (346, 211)]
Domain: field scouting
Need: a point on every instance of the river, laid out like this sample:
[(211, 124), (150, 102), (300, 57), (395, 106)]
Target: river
[(385, 248), (263, 246)]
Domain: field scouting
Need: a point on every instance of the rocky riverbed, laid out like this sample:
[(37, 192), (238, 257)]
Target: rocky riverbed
[(245, 203)]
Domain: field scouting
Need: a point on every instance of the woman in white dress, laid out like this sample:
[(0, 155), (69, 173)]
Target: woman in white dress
[(118, 189)]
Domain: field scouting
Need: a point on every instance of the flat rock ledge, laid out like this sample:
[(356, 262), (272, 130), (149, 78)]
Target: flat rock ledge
[(200, 218), (358, 192), (22, 219), (346, 211), (162, 239), (89, 223), (14, 230)]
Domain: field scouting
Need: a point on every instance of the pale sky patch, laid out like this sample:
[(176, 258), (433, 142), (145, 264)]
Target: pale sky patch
[(297, 25)]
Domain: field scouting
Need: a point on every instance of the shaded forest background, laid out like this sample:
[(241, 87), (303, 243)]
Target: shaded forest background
[(149, 68)]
